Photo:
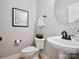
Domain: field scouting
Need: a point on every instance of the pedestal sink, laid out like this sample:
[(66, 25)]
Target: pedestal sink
[(65, 47)]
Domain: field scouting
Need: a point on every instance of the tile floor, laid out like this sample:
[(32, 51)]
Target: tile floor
[(24, 58), (40, 57), (17, 56)]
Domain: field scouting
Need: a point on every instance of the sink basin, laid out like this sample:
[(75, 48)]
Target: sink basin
[(64, 46), (77, 37)]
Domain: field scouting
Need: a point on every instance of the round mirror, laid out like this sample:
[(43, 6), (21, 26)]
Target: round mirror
[(61, 10)]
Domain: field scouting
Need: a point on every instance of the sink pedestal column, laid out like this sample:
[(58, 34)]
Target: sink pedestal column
[(63, 55)]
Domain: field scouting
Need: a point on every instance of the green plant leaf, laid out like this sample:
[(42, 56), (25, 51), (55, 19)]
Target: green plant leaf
[(40, 36)]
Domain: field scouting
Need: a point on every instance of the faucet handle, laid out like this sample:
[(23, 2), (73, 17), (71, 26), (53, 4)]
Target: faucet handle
[(69, 38)]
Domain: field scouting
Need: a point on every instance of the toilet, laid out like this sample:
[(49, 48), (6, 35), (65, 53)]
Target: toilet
[(32, 52)]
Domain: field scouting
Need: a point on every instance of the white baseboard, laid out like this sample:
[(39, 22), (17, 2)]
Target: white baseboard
[(12, 56), (44, 56)]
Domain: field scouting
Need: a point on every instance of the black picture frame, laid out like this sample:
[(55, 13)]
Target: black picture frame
[(20, 18)]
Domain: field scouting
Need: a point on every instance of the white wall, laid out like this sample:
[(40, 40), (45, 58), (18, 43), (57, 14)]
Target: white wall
[(9, 33), (26, 34), (53, 26)]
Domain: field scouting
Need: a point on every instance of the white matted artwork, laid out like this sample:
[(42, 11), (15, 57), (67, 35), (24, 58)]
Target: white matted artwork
[(73, 12), (20, 18)]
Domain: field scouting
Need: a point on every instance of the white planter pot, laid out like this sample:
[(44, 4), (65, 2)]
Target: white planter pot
[(39, 43)]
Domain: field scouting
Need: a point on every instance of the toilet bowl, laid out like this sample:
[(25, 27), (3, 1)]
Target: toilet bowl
[(32, 52)]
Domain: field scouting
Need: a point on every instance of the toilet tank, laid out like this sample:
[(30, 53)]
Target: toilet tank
[(40, 43)]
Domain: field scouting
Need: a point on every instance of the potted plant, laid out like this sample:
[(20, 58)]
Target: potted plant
[(40, 36), (39, 40)]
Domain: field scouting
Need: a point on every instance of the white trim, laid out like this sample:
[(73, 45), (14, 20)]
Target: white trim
[(15, 56), (44, 56)]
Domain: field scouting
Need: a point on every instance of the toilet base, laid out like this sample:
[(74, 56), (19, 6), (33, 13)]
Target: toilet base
[(33, 56), (36, 56)]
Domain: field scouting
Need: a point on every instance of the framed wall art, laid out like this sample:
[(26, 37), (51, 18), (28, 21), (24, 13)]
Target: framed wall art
[(20, 18)]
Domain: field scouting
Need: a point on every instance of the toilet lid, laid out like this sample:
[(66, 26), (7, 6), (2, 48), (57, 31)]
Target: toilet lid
[(29, 49)]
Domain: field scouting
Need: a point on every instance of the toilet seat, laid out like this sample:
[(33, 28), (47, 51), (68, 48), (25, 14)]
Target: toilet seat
[(29, 49)]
